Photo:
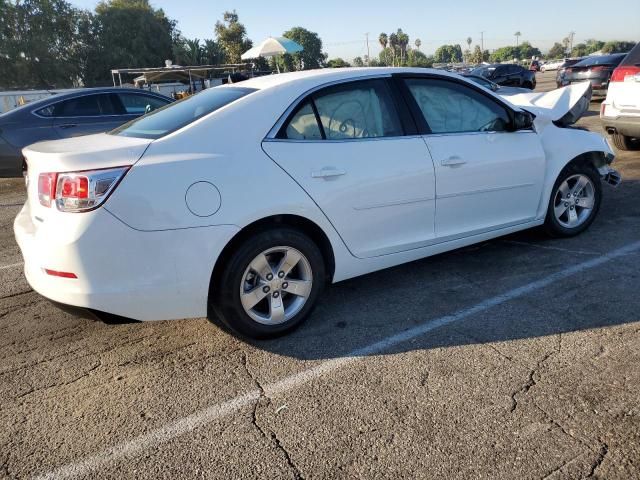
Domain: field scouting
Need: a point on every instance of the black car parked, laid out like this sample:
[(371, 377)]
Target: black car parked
[(507, 75), (596, 69), (568, 62), (70, 114)]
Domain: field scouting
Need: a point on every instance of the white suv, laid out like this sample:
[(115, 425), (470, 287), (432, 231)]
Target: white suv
[(620, 112)]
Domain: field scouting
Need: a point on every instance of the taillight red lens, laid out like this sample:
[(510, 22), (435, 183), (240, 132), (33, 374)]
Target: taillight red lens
[(620, 73), (73, 187), (46, 188)]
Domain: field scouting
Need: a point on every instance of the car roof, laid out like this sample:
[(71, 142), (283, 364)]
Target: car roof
[(311, 78)]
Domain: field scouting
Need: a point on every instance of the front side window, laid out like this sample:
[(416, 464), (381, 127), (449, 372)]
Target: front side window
[(355, 110), (179, 114), (449, 107), (135, 104)]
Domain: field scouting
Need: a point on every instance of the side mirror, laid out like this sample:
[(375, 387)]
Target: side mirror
[(522, 121)]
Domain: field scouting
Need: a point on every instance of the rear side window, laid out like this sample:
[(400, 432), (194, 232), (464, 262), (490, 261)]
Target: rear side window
[(303, 125), (449, 107), (354, 110), (84, 106), (179, 114), (135, 104)]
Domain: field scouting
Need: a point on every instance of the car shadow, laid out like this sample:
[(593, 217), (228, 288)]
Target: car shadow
[(368, 310)]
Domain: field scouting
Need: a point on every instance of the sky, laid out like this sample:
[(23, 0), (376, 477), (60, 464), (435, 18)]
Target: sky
[(342, 24)]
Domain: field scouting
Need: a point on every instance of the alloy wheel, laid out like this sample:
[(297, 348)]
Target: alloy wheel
[(276, 285), (574, 201)]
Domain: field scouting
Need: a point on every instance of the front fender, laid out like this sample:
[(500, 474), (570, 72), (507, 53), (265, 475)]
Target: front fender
[(563, 145)]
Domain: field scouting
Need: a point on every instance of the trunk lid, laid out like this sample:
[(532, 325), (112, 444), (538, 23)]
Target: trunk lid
[(563, 106), (89, 152)]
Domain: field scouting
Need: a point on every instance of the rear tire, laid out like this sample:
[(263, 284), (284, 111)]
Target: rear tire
[(575, 200), (254, 295), (621, 142), (528, 85)]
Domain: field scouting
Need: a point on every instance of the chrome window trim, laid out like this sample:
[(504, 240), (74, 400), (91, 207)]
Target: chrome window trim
[(271, 136), (34, 112), (341, 140)]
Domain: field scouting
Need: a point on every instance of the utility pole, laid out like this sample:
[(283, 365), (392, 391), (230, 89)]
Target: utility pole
[(366, 36), (571, 35), (482, 45)]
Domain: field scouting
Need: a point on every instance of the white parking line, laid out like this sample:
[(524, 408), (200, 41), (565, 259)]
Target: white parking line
[(13, 265), (214, 412)]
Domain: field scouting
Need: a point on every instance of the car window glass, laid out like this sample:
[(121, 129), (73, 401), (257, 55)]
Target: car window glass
[(449, 107), (303, 125), (106, 104), (135, 104), (84, 106), (361, 109), (176, 115)]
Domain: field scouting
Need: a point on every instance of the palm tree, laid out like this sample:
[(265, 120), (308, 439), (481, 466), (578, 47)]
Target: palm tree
[(211, 52), (417, 43), (194, 52), (403, 42), (517, 34), (384, 41), (469, 41), (393, 44)]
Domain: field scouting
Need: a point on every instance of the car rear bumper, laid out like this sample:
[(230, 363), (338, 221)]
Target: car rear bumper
[(628, 126), (121, 271)]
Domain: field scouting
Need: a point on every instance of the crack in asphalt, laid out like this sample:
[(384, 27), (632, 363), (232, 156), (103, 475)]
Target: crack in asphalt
[(560, 467), (271, 435), (604, 449), (17, 294), (531, 381), (64, 384)]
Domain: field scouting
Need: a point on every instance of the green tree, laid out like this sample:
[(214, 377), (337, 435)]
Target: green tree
[(39, 44), (415, 58), (383, 39), (211, 52), (557, 51), (617, 47), (337, 63), (476, 56), (310, 57), (448, 54), (128, 33), (358, 62), (527, 51), (232, 37)]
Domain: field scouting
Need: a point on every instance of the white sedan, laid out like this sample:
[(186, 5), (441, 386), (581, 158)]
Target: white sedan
[(244, 200)]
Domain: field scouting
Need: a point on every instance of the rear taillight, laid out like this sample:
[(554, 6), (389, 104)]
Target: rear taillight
[(597, 69), (620, 73), (46, 188), (78, 191), (567, 70)]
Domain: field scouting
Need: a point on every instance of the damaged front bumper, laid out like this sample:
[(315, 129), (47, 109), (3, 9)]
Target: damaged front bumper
[(610, 175)]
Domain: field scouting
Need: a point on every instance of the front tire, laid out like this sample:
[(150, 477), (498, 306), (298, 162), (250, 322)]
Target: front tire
[(270, 283), (575, 201)]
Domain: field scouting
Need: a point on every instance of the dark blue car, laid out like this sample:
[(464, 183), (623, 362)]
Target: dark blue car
[(70, 114)]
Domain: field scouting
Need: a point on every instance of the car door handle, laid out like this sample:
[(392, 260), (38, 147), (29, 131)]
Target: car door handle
[(327, 172), (69, 125), (452, 161)]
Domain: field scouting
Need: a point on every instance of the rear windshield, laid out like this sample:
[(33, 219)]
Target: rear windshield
[(176, 115), (603, 60), (634, 57)]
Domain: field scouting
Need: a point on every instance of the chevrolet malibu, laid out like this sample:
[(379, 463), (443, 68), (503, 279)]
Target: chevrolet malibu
[(244, 201)]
